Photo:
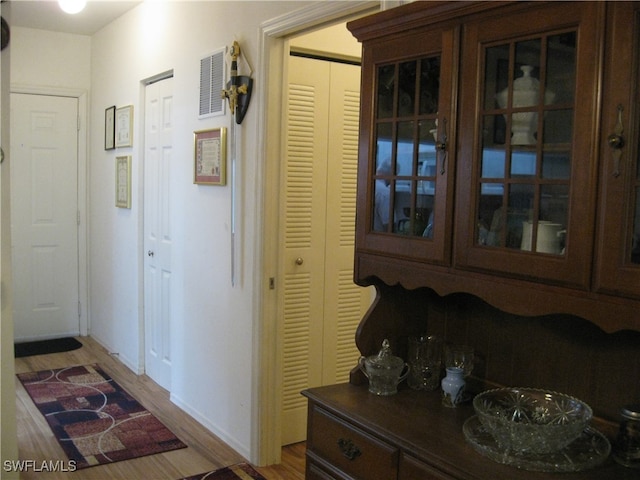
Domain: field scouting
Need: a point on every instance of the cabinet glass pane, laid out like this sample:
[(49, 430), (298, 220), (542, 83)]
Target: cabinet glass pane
[(407, 91), (406, 123), (405, 150), (556, 164), (427, 161), (491, 216), (558, 126), (561, 67), (496, 74), (523, 163), (382, 203), (526, 137), (385, 90), (554, 203), (429, 85), (427, 175), (494, 155), (519, 211), (382, 178), (526, 73), (402, 201), (414, 222), (383, 145)]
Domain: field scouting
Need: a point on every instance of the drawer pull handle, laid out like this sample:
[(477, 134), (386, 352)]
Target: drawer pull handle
[(349, 449)]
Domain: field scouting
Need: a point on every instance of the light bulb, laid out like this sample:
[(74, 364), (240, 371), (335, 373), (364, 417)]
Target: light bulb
[(72, 6)]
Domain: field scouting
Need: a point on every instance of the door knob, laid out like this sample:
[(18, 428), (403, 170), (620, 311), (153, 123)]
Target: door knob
[(299, 261), (150, 253)]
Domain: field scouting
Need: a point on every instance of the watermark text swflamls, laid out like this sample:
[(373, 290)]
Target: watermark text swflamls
[(39, 466)]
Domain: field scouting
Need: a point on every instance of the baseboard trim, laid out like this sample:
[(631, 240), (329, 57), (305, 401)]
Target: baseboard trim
[(201, 419)]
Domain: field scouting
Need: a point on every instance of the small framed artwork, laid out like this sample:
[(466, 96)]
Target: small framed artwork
[(124, 126), (123, 181), (110, 128), (210, 157)]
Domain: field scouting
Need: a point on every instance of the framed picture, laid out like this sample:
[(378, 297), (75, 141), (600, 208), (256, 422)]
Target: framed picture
[(124, 126), (110, 128), (123, 181), (210, 158)]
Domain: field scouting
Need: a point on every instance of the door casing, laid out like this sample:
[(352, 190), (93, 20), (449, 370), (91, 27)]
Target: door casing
[(265, 439), (83, 228)]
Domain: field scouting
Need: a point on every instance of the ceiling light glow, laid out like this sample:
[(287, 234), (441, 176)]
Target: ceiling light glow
[(72, 6)]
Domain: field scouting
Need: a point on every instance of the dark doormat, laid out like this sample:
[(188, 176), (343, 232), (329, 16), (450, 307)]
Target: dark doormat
[(43, 347)]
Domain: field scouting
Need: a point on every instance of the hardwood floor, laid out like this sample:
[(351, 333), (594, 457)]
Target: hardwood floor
[(205, 451)]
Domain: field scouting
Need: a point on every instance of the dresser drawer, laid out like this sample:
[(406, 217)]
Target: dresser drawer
[(414, 469), (356, 453)]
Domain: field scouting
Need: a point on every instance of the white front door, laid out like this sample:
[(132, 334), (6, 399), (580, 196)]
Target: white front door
[(44, 216), (158, 237)]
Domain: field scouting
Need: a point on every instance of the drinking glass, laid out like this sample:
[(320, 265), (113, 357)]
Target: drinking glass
[(425, 360), (460, 356)]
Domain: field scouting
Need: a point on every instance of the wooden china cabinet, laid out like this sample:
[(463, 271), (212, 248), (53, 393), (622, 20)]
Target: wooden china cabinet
[(498, 158), (543, 220)]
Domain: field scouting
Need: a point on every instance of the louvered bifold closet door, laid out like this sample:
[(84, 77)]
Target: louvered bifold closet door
[(320, 307), (345, 303)]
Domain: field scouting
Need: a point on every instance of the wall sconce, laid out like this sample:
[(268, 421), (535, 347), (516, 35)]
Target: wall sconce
[(239, 87)]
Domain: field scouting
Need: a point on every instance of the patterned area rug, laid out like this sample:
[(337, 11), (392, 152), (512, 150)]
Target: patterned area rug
[(93, 418), (241, 471)]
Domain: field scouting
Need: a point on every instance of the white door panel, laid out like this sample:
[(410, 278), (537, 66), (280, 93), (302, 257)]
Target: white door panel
[(44, 212), (158, 231)]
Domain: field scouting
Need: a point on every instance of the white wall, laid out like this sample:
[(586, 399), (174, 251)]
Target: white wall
[(51, 59), (213, 322), (333, 39), (54, 63), (8, 428)]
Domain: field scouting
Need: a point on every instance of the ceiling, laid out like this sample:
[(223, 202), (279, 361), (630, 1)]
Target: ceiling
[(47, 15)]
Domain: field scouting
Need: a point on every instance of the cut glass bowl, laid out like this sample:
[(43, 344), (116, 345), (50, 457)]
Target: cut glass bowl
[(529, 420)]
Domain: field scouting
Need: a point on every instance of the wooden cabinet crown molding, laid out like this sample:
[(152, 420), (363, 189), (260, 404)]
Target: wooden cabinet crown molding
[(414, 15)]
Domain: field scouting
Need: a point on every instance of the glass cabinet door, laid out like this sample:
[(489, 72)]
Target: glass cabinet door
[(406, 134), (525, 146), (409, 160), (525, 193), (618, 267)]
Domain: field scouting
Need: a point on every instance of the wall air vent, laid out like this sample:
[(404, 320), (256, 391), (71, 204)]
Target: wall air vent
[(212, 75)]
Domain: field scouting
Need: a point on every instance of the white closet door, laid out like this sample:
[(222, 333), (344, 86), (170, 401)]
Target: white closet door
[(345, 303), (158, 235), (320, 305)]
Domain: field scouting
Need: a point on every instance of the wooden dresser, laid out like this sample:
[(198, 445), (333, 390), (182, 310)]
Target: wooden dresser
[(353, 434)]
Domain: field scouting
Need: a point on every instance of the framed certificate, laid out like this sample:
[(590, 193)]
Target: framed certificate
[(123, 181), (110, 128), (124, 126), (210, 156)]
